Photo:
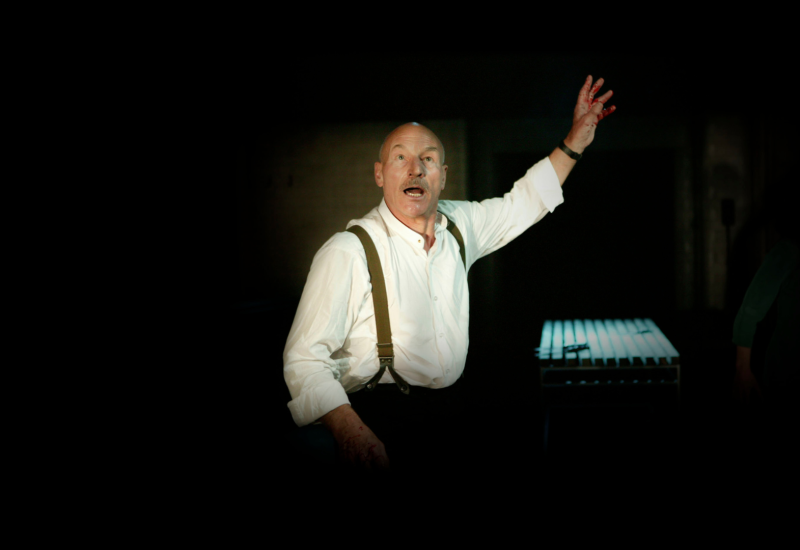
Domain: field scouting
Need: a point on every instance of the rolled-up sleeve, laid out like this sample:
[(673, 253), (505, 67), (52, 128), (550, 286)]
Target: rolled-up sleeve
[(336, 289), (495, 222)]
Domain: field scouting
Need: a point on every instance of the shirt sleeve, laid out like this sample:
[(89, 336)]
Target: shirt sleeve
[(762, 292), (336, 289), (493, 223)]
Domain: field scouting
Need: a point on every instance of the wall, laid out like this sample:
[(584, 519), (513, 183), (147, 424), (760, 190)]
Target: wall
[(303, 184), (632, 135)]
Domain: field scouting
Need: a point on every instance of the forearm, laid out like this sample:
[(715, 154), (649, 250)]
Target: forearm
[(341, 420), (358, 445), (745, 383), (562, 163), (742, 358)]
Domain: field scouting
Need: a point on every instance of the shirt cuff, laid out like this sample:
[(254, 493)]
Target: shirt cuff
[(545, 181), (317, 402)]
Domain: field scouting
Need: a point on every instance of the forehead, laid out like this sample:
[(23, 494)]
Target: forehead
[(413, 138)]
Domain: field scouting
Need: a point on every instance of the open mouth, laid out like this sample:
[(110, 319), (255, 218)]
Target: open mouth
[(415, 192)]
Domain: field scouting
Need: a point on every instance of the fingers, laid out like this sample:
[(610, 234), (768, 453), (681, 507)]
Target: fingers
[(746, 391), (595, 88), (586, 97), (605, 97), (605, 112), (595, 114), (598, 104), (582, 105), (583, 95)]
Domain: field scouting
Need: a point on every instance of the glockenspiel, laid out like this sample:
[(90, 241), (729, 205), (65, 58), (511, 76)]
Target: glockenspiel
[(585, 360)]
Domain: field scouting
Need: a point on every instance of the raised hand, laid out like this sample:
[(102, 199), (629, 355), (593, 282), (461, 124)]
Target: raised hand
[(589, 111)]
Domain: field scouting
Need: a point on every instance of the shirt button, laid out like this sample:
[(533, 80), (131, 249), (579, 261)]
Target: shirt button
[(441, 335), (435, 297), (447, 371)]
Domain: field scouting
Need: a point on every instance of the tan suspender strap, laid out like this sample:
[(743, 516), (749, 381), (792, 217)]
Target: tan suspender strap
[(381, 303), (451, 227)]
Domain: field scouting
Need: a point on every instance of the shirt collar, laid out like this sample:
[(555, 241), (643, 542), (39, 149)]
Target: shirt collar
[(409, 235)]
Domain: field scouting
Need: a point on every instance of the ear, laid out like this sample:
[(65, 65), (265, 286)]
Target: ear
[(444, 175), (379, 174)]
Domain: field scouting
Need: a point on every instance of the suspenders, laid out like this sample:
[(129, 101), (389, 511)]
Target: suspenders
[(379, 300)]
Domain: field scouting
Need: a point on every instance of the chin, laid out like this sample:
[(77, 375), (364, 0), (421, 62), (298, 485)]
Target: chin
[(415, 211)]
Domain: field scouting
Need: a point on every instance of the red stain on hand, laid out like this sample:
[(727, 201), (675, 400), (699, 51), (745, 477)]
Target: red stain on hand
[(606, 112), (591, 99)]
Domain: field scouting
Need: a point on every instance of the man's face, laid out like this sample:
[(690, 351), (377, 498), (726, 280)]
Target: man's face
[(411, 173)]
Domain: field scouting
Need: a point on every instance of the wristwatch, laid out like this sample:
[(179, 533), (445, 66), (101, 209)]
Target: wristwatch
[(570, 153)]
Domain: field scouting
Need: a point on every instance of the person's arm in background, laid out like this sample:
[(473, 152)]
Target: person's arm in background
[(744, 382), (757, 300)]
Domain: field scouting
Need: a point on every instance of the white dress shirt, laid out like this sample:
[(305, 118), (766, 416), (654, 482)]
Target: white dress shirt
[(331, 349)]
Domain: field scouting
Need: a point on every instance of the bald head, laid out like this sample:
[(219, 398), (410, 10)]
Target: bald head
[(414, 127), (412, 174)]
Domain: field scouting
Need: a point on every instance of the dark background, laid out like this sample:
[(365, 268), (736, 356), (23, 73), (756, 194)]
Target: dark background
[(582, 249)]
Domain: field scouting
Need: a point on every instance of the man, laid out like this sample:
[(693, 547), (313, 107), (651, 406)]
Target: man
[(331, 350)]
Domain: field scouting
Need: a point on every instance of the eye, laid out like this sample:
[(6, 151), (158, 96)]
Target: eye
[(429, 159), (401, 157)]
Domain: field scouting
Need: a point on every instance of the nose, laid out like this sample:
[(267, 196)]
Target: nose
[(416, 168)]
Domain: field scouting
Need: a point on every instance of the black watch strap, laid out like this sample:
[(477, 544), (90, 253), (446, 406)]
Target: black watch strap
[(570, 153)]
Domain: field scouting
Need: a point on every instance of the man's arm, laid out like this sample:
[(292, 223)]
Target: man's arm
[(493, 223), (358, 445), (336, 289), (588, 113), (325, 315)]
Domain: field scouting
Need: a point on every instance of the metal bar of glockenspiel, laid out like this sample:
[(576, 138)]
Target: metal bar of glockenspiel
[(623, 358), (557, 351), (569, 339), (545, 343), (648, 356), (609, 356), (584, 356), (673, 356), (594, 343)]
